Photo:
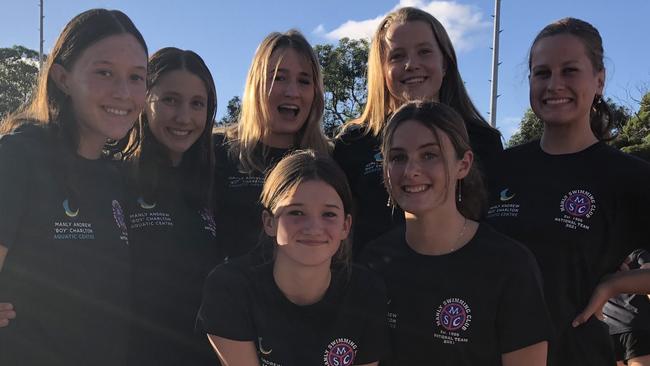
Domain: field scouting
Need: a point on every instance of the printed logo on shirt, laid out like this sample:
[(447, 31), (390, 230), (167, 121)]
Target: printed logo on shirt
[(505, 209), (148, 218), (68, 211), (452, 319), (340, 352), (374, 166), (576, 207), (391, 316), (145, 205), (239, 182), (72, 228), (209, 223), (118, 214)]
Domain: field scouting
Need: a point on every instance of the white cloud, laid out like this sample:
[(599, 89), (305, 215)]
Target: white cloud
[(319, 30), (465, 24)]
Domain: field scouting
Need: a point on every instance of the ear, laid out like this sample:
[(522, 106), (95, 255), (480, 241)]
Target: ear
[(347, 225), (268, 221), (601, 81), (465, 164), (59, 75)]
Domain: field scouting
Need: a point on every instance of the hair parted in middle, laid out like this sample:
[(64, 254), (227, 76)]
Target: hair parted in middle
[(302, 166), (244, 137), (149, 155), (440, 118), (380, 104)]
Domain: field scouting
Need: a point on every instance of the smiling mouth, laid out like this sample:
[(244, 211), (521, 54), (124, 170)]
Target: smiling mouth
[(414, 80), (416, 188), (312, 242), (289, 109), (557, 101), (180, 133), (116, 111)]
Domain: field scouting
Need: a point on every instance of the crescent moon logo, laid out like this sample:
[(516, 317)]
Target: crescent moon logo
[(505, 195), (145, 205), (378, 157), (262, 350), (68, 211)]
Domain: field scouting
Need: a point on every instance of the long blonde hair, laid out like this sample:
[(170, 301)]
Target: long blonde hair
[(243, 138), (380, 104)]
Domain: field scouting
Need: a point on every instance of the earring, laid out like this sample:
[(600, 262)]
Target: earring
[(459, 189), (598, 100)]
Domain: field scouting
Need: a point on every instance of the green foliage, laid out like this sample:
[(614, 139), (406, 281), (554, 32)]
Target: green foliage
[(18, 74), (344, 74), (635, 135), (232, 115), (530, 128)]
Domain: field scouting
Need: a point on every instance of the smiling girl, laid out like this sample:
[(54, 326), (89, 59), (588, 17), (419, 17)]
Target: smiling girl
[(63, 237), (577, 203), (306, 305), (173, 238), (282, 109)]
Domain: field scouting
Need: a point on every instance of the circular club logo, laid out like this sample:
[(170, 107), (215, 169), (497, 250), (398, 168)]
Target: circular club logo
[(453, 314), (118, 214), (578, 203), (340, 352)]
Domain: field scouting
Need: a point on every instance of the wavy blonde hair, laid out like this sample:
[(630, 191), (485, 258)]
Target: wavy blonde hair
[(243, 138)]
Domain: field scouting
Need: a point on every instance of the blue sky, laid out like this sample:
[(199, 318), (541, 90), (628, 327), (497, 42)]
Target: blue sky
[(226, 33)]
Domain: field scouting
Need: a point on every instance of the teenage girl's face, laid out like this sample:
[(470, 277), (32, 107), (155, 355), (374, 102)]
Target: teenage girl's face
[(413, 63), (416, 172), (177, 111), (563, 82), (107, 87), (309, 225), (290, 96)]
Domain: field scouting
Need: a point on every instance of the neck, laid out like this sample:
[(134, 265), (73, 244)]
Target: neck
[(90, 148), (567, 139), (302, 285), (278, 140), (438, 233)]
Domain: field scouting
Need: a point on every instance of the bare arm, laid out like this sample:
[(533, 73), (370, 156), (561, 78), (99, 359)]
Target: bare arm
[(234, 353), (6, 309), (3, 255), (534, 355)]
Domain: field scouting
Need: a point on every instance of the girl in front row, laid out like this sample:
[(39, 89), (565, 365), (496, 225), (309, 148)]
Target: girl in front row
[(306, 305), (459, 292)]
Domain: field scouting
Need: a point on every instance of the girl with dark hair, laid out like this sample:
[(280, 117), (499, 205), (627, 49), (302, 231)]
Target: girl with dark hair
[(306, 305), (411, 58), (282, 110), (577, 203), (458, 290), (173, 239), (63, 235)]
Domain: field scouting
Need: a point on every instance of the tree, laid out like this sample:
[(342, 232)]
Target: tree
[(635, 135), (232, 115), (344, 74), (18, 74)]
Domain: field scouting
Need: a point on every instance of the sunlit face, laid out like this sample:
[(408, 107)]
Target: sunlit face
[(309, 225), (290, 96), (177, 111), (106, 85), (418, 179), (413, 64), (563, 82)]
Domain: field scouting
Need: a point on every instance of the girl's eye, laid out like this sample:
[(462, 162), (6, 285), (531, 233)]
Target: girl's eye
[(295, 213), (137, 77), (105, 73), (329, 214), (394, 56), (279, 77), (197, 104), (570, 70), (542, 73), (169, 100), (305, 81), (425, 51), (429, 156), (397, 158)]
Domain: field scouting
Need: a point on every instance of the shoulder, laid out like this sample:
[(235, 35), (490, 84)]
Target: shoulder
[(352, 134), (497, 245), (235, 274), (28, 137)]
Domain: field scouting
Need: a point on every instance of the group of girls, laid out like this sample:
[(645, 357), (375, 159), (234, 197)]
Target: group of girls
[(108, 263)]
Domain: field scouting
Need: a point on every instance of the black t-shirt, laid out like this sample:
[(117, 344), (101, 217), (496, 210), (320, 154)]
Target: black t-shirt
[(67, 269), (347, 327), (580, 214), (238, 212), (174, 247), (359, 155), (467, 307), (629, 312)]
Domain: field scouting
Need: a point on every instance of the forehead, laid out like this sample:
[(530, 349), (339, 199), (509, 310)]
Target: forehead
[(182, 82), (559, 48), (315, 192), (404, 34), (289, 59), (121, 49), (413, 133)]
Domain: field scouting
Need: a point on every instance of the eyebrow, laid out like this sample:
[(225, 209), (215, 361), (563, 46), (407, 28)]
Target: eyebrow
[(298, 204), (105, 62), (424, 146), (425, 43), (303, 73)]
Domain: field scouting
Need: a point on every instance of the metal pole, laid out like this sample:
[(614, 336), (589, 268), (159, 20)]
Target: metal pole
[(495, 64), (40, 50)]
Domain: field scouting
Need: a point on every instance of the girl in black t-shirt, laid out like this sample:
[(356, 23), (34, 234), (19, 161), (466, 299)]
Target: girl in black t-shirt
[(281, 110), (63, 239), (579, 204), (173, 241), (411, 58), (459, 292), (300, 303)]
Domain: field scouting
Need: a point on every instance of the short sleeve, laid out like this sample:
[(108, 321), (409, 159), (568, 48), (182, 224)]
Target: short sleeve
[(226, 309), (375, 344), (522, 315), (16, 178)]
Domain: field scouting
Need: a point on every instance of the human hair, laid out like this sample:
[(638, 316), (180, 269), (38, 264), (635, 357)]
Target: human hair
[(303, 166), (149, 155), (440, 118), (380, 104), (601, 118), (244, 137)]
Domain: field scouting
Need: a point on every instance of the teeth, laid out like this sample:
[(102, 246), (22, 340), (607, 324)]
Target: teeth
[(558, 101), (178, 132), (289, 106), (416, 80), (119, 112), (415, 189)]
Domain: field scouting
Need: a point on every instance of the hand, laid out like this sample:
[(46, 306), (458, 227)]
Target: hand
[(6, 313), (599, 297)]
